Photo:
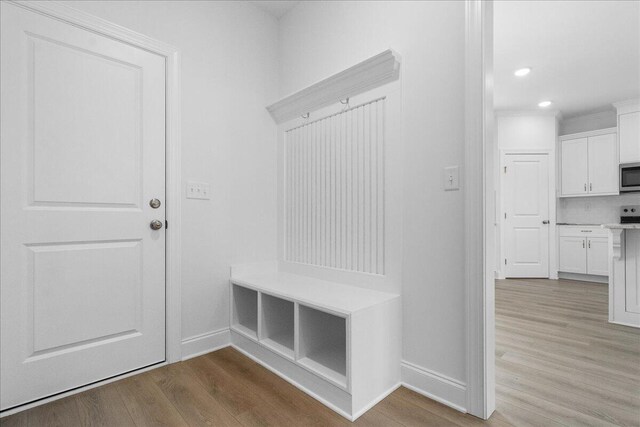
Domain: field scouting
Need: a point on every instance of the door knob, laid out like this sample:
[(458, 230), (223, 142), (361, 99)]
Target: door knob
[(154, 203), (546, 221), (156, 224)]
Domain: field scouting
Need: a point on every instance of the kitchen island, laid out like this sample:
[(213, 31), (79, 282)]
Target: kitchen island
[(624, 274)]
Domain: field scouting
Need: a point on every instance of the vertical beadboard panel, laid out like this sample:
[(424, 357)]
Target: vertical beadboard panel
[(334, 178)]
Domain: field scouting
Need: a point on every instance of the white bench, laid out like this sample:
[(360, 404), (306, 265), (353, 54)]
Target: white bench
[(340, 344)]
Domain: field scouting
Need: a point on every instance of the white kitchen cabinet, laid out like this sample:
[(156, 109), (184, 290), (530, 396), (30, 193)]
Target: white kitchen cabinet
[(629, 130), (589, 164), (572, 255), (603, 164), (597, 256), (575, 172), (583, 250)]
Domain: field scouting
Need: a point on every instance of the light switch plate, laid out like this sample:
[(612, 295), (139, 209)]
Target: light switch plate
[(198, 190), (451, 178)]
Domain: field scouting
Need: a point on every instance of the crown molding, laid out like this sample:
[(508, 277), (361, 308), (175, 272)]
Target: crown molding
[(627, 106), (367, 75), (548, 113)]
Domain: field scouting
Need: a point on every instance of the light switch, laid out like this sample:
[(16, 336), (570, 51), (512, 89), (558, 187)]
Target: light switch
[(451, 178), (198, 190)]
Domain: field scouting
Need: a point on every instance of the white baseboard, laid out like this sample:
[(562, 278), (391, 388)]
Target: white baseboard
[(583, 277), (435, 386), (205, 343), (375, 402)]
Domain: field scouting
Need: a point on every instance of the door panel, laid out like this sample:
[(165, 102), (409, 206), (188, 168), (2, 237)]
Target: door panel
[(81, 149), (598, 256), (572, 255), (526, 203), (574, 156), (105, 166), (603, 164)]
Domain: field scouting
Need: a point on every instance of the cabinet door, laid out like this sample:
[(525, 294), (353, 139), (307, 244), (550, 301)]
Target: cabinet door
[(573, 255), (603, 164), (574, 167), (598, 256), (629, 134), (632, 266)]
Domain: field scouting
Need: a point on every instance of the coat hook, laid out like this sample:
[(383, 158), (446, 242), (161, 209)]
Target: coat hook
[(305, 116), (345, 103)]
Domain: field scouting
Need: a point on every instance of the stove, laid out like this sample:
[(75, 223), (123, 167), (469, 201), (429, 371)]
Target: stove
[(630, 214)]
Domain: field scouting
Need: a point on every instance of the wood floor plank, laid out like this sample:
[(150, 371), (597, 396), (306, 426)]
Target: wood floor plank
[(375, 418), (234, 397), (147, 405), (59, 413), (409, 415), (198, 408), (276, 391), (446, 412), (103, 407)]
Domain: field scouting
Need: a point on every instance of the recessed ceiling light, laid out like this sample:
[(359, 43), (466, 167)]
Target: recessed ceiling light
[(522, 72), (544, 104)]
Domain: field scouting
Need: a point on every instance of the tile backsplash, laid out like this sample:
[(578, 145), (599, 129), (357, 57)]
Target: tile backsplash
[(594, 210)]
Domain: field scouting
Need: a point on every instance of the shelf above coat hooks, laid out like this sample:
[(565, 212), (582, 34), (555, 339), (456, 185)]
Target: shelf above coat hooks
[(367, 75)]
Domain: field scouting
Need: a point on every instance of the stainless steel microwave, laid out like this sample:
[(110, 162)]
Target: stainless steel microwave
[(629, 177)]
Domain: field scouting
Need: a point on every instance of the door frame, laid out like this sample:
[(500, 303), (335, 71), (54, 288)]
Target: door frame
[(553, 244), (173, 185), (479, 212)]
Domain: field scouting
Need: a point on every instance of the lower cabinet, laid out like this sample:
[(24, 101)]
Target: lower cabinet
[(598, 256), (583, 250)]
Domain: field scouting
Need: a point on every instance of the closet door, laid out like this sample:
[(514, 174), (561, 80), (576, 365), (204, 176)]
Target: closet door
[(82, 289), (574, 154)]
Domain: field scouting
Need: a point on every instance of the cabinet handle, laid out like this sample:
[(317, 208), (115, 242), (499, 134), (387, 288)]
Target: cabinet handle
[(582, 244), (585, 186), (589, 244), (590, 187)]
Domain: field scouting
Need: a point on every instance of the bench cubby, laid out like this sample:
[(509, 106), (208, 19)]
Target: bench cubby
[(277, 327)]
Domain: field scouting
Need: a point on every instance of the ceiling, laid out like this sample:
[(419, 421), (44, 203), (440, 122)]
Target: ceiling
[(584, 55), (276, 8)]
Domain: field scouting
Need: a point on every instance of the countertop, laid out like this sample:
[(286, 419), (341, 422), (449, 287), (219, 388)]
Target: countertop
[(622, 226)]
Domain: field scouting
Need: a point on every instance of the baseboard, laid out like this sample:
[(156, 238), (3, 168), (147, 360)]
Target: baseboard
[(583, 277), (205, 343), (375, 401), (435, 386)]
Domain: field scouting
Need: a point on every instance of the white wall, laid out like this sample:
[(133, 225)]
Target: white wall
[(517, 131), (525, 130), (318, 39), (229, 74)]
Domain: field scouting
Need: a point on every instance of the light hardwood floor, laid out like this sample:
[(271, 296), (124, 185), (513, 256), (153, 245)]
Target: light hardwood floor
[(558, 363)]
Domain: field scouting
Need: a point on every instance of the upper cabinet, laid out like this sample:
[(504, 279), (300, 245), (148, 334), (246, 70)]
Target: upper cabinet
[(589, 164), (629, 130)]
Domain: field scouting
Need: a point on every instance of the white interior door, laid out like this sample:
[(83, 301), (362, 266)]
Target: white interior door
[(82, 153), (526, 205)]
